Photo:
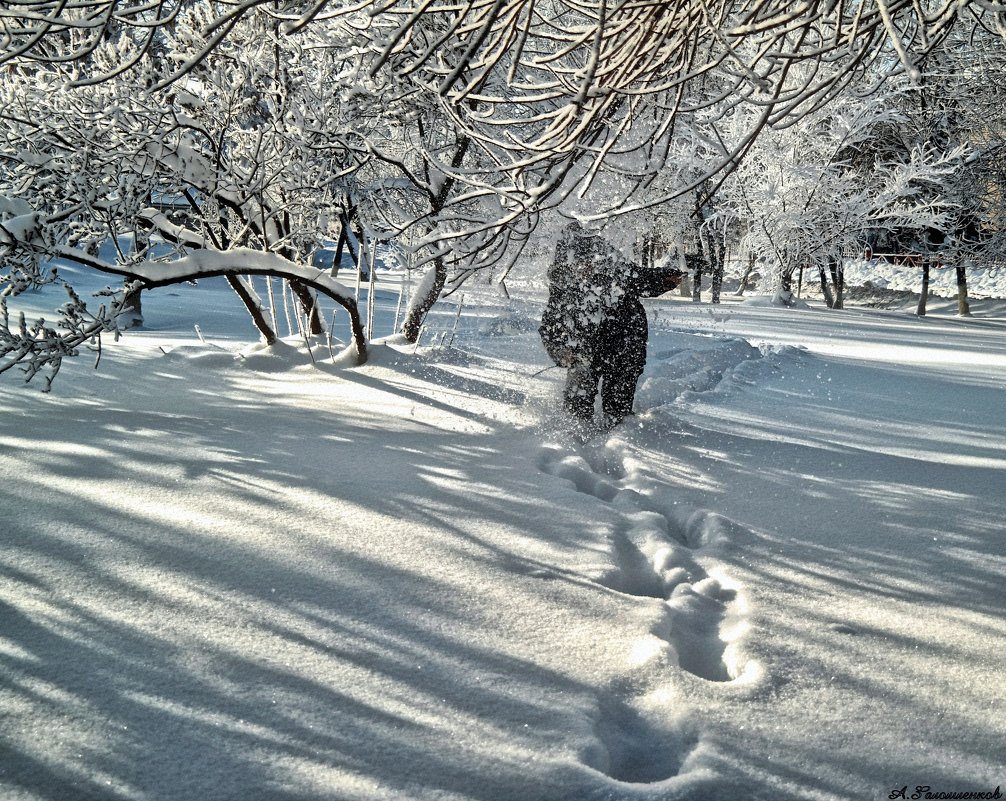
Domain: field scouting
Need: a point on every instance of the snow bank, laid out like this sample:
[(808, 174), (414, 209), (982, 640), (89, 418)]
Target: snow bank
[(984, 281), (700, 364)]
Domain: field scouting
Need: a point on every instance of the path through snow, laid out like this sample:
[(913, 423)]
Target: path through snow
[(268, 579)]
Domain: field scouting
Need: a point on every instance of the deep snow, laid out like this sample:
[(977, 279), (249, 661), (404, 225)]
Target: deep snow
[(258, 577)]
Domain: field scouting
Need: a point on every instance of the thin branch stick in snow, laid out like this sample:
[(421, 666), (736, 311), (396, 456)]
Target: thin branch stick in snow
[(272, 303), (304, 324), (370, 293), (457, 318), (286, 307), (359, 267), (398, 308)]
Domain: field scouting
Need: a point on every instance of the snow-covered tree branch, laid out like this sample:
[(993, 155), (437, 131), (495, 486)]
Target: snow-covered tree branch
[(247, 156), (271, 126)]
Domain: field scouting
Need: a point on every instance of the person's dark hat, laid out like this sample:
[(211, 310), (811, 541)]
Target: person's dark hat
[(579, 239)]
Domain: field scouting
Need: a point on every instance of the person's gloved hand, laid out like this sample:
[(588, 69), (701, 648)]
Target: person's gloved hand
[(673, 279)]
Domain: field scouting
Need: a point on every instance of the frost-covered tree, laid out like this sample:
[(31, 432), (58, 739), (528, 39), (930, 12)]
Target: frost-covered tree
[(237, 171), (581, 106), (543, 85), (961, 101), (802, 198)]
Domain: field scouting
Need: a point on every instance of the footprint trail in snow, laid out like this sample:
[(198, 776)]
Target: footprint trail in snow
[(659, 549), (668, 554)]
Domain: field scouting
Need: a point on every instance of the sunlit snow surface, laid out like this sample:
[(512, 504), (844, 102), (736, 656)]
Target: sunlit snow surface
[(232, 572)]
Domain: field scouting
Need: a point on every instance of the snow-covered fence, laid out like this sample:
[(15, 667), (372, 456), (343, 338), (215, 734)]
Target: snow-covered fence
[(907, 259)]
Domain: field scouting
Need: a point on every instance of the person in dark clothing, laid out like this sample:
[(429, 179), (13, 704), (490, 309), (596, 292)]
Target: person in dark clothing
[(594, 324)]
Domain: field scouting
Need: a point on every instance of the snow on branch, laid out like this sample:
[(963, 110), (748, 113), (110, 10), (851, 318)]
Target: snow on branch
[(40, 348), (237, 261)]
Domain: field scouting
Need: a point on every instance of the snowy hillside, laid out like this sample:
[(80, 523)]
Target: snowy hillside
[(232, 572)]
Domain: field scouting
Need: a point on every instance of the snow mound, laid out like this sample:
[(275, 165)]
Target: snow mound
[(284, 355), (778, 300), (280, 357), (202, 356), (511, 323), (984, 280), (701, 366)]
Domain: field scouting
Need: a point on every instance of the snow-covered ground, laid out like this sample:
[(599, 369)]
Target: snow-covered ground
[(256, 577)]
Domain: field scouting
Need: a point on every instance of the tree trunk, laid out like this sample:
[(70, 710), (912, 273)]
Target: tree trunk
[(131, 315), (417, 311), (718, 252), (924, 295), (704, 256), (344, 239), (339, 246), (825, 289), (963, 308), (258, 317), (786, 281), (747, 275), (646, 252), (359, 338), (310, 305), (697, 279), (421, 305), (838, 281)]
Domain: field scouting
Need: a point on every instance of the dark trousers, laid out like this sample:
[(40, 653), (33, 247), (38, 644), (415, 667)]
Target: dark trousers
[(618, 355), (618, 389)]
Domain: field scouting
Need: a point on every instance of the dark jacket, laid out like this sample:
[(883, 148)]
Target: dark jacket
[(593, 314)]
